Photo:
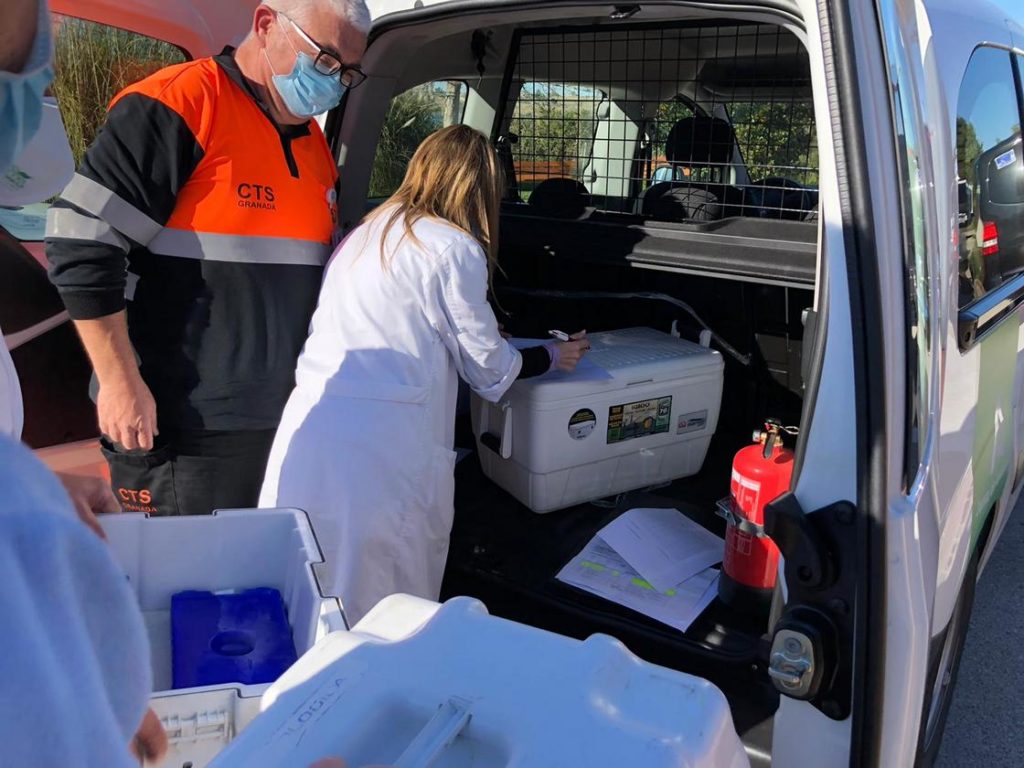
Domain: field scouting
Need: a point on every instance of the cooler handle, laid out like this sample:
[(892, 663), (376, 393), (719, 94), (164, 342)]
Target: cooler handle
[(500, 445), (441, 730)]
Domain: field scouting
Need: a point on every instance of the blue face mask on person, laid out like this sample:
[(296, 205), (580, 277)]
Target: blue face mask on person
[(304, 91), (21, 97)]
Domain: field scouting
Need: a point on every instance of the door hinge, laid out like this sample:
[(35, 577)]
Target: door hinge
[(811, 656)]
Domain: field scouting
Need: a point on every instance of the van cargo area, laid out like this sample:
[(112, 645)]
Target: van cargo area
[(508, 556), (659, 175)]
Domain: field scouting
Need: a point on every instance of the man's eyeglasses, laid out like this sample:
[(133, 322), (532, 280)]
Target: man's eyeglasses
[(327, 63)]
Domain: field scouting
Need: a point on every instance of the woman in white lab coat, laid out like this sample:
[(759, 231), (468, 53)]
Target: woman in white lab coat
[(365, 442)]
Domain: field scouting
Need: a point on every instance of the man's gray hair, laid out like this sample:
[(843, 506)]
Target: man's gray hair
[(354, 12)]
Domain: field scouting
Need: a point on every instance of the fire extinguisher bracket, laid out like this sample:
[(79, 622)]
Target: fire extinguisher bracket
[(726, 509)]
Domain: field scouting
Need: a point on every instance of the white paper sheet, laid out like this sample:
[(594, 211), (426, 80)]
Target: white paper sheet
[(586, 369), (598, 569), (663, 545)]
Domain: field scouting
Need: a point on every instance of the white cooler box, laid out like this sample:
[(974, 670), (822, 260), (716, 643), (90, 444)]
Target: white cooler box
[(231, 549), (562, 439), (415, 684)]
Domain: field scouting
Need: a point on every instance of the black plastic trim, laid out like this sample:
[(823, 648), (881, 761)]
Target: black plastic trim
[(729, 248), (982, 315), (857, 210), (463, 7), (821, 560)]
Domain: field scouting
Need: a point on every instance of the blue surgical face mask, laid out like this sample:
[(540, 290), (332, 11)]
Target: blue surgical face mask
[(305, 91), (21, 96)]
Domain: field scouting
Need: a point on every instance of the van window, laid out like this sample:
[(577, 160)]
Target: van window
[(412, 116), (92, 63), (777, 139), (990, 163), (554, 125), (909, 106), (624, 116)]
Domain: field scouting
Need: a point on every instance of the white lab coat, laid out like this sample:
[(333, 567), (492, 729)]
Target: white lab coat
[(11, 413), (74, 657), (365, 442)]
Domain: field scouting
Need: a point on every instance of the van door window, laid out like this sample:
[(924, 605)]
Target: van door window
[(912, 151), (990, 165), (412, 116), (92, 63)]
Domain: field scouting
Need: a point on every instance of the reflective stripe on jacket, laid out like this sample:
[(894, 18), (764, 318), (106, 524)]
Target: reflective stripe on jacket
[(211, 224)]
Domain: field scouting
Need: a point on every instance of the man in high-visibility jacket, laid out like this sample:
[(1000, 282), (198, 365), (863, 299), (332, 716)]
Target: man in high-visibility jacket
[(189, 249)]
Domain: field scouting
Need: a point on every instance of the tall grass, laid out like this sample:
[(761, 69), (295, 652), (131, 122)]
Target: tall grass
[(92, 63)]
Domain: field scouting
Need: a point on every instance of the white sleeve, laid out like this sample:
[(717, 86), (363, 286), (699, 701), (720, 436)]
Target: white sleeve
[(11, 413), (484, 360), (74, 658)]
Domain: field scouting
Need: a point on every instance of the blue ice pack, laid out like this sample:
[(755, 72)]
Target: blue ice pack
[(242, 637)]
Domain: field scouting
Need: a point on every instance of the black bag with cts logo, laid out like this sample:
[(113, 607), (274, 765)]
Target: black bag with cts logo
[(143, 481)]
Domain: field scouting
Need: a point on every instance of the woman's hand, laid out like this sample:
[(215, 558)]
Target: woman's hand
[(569, 353)]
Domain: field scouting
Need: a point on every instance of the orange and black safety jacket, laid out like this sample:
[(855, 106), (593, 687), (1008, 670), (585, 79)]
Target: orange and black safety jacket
[(211, 225)]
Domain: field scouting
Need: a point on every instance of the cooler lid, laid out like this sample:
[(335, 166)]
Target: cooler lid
[(417, 684), (618, 359)]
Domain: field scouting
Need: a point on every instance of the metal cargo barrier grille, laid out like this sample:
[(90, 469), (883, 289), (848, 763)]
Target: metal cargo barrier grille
[(685, 123)]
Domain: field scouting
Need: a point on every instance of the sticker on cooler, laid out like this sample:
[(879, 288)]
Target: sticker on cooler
[(691, 422), (582, 423), (639, 419)]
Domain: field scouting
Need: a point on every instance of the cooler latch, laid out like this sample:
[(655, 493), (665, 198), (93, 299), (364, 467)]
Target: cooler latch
[(202, 726)]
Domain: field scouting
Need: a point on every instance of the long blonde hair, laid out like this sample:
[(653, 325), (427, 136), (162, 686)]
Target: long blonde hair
[(454, 175)]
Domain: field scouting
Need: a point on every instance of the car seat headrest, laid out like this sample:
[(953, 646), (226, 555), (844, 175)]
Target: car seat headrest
[(700, 141), (564, 198)]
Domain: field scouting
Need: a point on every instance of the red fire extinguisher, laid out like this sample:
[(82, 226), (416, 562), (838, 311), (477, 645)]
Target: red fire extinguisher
[(760, 473)]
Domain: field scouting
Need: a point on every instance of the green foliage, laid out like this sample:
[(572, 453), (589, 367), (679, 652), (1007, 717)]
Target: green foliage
[(777, 138), (968, 150), (92, 63), (555, 123), (412, 116), (667, 115)]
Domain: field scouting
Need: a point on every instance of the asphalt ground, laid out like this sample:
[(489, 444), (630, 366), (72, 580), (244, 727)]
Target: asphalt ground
[(985, 728)]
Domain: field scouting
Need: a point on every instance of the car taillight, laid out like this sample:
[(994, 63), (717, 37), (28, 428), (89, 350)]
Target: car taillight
[(989, 239)]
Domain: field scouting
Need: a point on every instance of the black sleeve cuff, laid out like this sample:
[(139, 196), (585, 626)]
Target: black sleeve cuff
[(536, 360), (89, 305)]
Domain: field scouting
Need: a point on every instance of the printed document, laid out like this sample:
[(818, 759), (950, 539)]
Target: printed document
[(600, 570), (663, 545)]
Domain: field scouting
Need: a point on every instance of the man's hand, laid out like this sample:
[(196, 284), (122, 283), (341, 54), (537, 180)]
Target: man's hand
[(127, 412), (150, 743), (91, 496), (125, 406)]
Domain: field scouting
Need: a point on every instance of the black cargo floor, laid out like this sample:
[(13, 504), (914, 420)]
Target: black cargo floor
[(508, 557)]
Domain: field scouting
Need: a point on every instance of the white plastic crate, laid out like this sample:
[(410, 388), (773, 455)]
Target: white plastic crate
[(555, 441), (418, 684), (231, 549)]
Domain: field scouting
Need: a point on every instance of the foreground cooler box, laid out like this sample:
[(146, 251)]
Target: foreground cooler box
[(644, 415), (229, 550), (418, 684)]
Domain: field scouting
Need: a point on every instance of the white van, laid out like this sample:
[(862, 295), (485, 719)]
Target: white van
[(855, 241)]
